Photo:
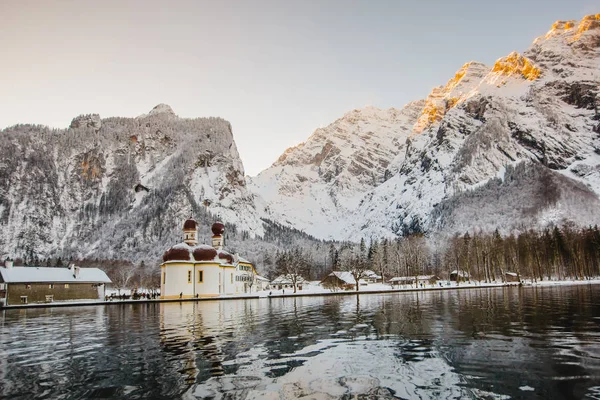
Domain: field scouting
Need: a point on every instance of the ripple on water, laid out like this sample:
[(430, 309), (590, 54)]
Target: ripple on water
[(469, 344)]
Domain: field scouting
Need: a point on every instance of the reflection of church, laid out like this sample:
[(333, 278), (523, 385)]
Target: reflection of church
[(191, 270)]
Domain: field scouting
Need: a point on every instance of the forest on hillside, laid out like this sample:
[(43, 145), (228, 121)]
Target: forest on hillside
[(565, 252)]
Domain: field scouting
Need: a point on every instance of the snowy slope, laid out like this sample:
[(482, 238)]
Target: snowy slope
[(72, 191), (314, 185), (540, 107)]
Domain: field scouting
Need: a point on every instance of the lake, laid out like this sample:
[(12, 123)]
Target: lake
[(486, 343)]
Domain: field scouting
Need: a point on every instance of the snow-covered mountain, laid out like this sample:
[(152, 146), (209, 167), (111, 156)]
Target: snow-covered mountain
[(118, 187), (489, 136), (509, 146), (316, 184)]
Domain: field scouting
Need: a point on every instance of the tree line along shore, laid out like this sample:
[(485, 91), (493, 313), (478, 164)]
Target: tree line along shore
[(559, 253)]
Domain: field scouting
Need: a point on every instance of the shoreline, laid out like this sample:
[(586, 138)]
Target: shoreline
[(305, 294)]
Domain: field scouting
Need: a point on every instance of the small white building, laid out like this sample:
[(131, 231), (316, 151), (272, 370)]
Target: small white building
[(287, 282), (262, 283), (410, 280), (190, 270), (372, 277)]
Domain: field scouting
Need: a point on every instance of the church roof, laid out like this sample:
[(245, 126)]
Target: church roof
[(45, 274), (182, 252), (190, 224)]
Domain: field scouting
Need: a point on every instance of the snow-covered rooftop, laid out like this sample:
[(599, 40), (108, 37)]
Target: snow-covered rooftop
[(44, 274), (409, 278), (372, 274), (347, 277), (461, 273), (286, 280)]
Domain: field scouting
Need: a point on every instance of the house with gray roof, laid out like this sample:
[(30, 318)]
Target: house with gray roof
[(26, 285)]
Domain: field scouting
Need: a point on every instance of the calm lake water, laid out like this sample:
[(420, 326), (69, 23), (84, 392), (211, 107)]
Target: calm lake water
[(481, 343)]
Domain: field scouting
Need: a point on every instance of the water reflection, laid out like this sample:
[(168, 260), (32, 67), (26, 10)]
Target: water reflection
[(482, 343)]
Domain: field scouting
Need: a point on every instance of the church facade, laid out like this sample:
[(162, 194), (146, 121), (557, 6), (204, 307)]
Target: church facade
[(190, 270)]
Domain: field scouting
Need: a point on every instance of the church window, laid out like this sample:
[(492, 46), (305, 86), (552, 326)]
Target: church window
[(189, 276), (200, 276)]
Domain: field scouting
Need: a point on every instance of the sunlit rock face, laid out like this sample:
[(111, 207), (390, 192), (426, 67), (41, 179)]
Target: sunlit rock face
[(443, 98), (516, 64), (539, 108)]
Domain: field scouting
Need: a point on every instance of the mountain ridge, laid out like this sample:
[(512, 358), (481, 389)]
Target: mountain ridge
[(74, 191), (536, 107), (495, 147)]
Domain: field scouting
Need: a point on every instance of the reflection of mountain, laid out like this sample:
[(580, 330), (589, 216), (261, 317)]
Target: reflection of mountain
[(473, 343), (409, 345), (331, 348)]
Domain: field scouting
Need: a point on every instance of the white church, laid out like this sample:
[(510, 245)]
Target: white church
[(190, 270)]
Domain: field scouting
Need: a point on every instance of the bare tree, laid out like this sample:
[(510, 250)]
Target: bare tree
[(416, 255), (292, 265), (357, 265), (250, 279), (122, 276)]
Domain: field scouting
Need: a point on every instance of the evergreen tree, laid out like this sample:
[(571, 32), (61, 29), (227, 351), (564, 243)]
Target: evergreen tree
[(363, 248)]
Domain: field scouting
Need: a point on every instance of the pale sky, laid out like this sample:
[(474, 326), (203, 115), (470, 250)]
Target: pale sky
[(277, 70)]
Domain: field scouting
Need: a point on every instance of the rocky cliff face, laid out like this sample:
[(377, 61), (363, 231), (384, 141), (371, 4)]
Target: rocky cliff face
[(316, 184), (115, 187), (540, 109)]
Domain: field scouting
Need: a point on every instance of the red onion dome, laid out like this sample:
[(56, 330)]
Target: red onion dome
[(223, 255), (218, 228), (204, 253), (177, 254), (190, 224)]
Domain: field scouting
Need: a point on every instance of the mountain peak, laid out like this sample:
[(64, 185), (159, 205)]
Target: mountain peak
[(587, 23), (162, 108), (443, 98), (516, 64), (86, 121), (572, 31)]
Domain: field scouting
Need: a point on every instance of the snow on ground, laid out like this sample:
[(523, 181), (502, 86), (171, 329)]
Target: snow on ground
[(314, 288)]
